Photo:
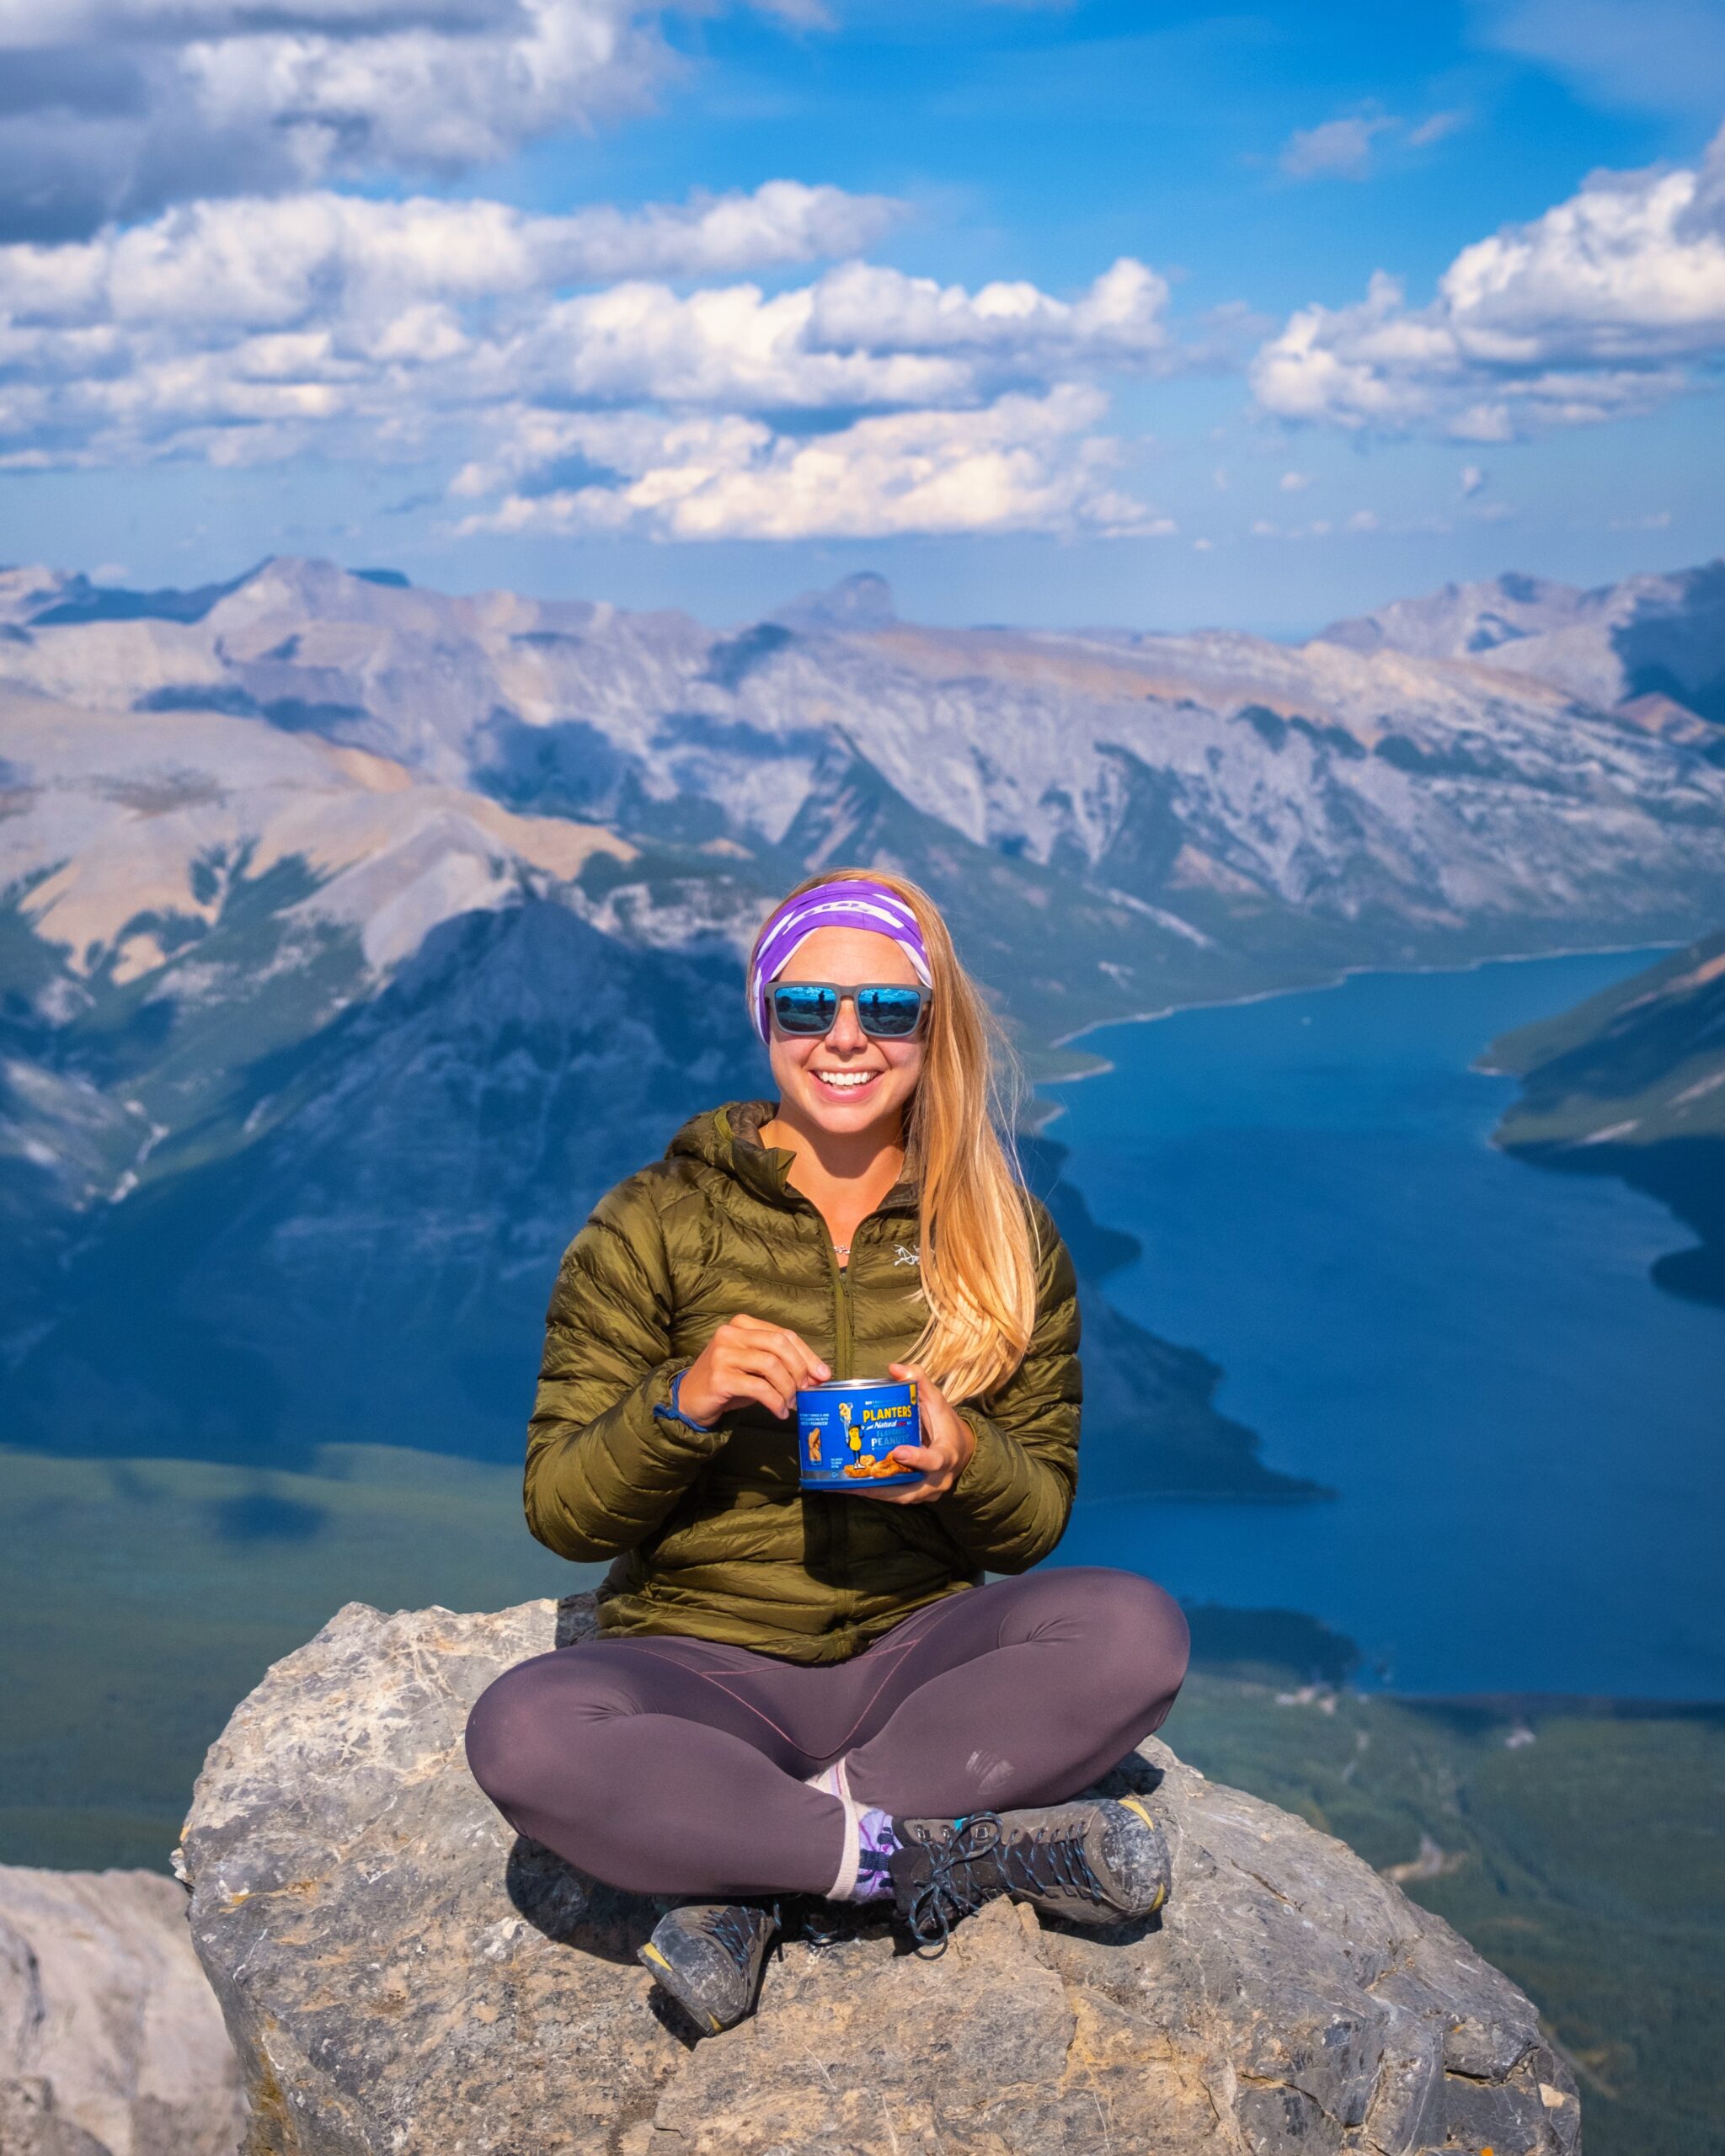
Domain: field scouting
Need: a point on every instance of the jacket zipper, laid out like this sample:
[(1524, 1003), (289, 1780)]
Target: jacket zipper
[(835, 1518), (842, 1342)]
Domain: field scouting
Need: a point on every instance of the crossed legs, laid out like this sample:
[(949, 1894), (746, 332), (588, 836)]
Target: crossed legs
[(679, 1766)]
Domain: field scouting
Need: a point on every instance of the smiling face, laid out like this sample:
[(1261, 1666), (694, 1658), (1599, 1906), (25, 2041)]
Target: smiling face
[(843, 1082)]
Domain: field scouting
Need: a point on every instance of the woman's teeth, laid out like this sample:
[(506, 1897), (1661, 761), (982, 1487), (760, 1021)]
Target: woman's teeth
[(844, 1082)]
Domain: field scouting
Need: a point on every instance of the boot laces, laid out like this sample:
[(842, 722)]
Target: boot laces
[(979, 1860), (1051, 1860), (957, 1881)]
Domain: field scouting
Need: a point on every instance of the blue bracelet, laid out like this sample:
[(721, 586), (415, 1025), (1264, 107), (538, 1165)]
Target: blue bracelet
[(674, 1413)]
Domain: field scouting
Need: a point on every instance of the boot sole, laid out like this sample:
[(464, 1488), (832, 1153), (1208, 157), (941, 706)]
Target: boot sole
[(668, 1978), (1137, 1804)]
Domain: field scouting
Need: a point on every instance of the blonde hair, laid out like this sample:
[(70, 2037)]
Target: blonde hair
[(979, 1249)]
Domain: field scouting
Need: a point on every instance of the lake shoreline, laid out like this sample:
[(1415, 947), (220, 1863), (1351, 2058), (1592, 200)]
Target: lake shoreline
[(1337, 977)]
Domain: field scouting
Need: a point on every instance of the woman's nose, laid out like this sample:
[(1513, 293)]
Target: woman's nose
[(845, 1034)]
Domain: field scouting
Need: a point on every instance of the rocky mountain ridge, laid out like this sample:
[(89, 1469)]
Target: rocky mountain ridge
[(1651, 648), (1247, 793)]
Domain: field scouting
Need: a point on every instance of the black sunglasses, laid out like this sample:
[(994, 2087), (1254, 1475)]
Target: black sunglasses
[(885, 1010)]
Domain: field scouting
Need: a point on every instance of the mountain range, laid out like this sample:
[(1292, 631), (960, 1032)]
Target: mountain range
[(354, 936)]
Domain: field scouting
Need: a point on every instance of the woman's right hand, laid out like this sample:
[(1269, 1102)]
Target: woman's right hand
[(747, 1359)]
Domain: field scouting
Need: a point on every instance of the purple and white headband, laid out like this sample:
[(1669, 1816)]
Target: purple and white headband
[(846, 902)]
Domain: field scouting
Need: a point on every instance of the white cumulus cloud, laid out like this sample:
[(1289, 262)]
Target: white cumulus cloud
[(1603, 305), (266, 262), (253, 330), (1022, 463), (1119, 318), (116, 108)]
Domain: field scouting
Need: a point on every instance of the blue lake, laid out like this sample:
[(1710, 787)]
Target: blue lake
[(1526, 1436)]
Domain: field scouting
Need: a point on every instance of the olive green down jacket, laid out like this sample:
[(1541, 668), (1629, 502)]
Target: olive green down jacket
[(709, 1530)]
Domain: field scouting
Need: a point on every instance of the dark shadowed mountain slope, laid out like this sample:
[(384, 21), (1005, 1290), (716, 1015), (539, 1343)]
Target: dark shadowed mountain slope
[(1631, 1083), (374, 1265)]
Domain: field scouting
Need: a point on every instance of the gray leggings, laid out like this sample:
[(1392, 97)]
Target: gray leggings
[(677, 1766)]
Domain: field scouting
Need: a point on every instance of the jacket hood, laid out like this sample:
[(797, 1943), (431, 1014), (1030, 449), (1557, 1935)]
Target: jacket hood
[(728, 1138)]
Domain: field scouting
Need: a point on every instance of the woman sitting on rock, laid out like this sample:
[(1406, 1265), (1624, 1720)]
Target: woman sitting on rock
[(802, 1692)]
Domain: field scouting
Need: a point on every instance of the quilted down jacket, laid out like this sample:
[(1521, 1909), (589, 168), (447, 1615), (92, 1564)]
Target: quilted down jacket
[(709, 1531)]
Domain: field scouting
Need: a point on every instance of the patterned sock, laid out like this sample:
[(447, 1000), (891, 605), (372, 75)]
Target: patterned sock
[(875, 1844)]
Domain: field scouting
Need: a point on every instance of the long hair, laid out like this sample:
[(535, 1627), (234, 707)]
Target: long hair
[(979, 1254)]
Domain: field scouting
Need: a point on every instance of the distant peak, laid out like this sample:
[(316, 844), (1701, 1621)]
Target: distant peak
[(862, 601), (1461, 621), (317, 582)]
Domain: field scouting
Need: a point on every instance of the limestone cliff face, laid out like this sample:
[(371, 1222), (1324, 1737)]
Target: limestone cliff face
[(403, 1977), (111, 2042)]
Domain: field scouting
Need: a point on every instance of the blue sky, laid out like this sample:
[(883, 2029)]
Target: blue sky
[(1093, 312)]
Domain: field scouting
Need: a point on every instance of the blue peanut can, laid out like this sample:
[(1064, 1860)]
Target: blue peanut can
[(846, 1432)]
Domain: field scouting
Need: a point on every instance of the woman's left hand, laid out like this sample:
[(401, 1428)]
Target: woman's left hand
[(947, 1442)]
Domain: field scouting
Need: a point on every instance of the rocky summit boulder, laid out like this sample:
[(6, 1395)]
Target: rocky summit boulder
[(110, 2044), (403, 1977)]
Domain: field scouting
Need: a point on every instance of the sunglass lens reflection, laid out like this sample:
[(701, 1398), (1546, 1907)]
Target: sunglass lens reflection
[(805, 1008), (890, 1013)]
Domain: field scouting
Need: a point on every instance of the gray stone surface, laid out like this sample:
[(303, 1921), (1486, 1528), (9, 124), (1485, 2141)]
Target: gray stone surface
[(403, 1977), (111, 2042)]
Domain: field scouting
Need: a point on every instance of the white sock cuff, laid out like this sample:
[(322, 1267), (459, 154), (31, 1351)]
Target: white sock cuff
[(844, 1886), (834, 1781)]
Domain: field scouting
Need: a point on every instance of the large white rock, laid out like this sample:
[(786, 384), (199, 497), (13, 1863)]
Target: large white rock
[(404, 1978), (110, 2041)]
